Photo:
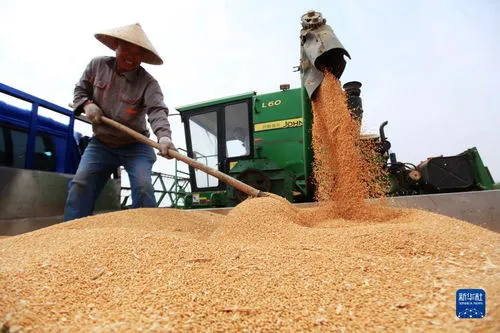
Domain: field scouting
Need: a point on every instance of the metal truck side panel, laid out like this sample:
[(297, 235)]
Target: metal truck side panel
[(32, 199)]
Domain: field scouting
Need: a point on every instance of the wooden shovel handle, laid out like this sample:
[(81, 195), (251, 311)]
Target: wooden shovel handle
[(247, 189)]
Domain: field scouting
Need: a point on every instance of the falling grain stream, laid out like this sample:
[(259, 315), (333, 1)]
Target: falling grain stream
[(342, 266)]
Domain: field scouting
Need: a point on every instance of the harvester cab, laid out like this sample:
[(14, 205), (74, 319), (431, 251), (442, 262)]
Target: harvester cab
[(263, 140)]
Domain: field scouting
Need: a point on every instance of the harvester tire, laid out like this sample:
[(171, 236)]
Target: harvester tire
[(255, 178)]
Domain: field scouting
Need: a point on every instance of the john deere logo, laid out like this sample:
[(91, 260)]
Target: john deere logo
[(287, 123), (293, 123)]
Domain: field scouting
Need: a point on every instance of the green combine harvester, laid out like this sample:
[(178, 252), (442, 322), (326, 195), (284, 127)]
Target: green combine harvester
[(264, 140)]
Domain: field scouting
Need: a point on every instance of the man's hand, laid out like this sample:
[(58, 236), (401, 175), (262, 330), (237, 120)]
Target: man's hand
[(166, 144), (93, 112)]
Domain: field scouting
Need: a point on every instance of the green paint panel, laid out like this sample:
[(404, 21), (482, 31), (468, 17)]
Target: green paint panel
[(288, 143), (277, 106), (481, 172), (283, 144)]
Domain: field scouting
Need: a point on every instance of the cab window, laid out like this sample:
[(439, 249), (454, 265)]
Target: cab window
[(13, 145)]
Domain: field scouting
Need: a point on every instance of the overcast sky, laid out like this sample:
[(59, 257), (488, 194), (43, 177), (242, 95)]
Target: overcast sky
[(431, 68)]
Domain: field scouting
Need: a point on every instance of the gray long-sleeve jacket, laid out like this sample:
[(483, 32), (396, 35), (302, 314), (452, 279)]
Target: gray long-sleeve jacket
[(126, 98)]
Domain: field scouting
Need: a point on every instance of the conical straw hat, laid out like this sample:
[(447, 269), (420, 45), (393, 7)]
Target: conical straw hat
[(133, 34)]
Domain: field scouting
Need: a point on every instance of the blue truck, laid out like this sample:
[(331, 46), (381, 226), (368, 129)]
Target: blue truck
[(38, 157)]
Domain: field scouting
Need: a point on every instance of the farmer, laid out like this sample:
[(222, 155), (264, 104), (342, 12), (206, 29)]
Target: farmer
[(120, 89)]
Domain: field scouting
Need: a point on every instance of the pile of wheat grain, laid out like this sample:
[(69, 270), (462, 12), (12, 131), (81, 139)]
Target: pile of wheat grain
[(263, 267)]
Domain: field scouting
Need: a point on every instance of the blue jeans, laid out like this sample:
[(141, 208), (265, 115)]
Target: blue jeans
[(98, 162)]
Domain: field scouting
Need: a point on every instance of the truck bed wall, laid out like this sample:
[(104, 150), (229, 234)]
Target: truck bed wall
[(477, 207), (31, 199)]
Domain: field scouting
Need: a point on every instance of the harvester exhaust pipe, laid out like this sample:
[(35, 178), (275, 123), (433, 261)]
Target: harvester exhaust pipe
[(320, 50), (354, 104)]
